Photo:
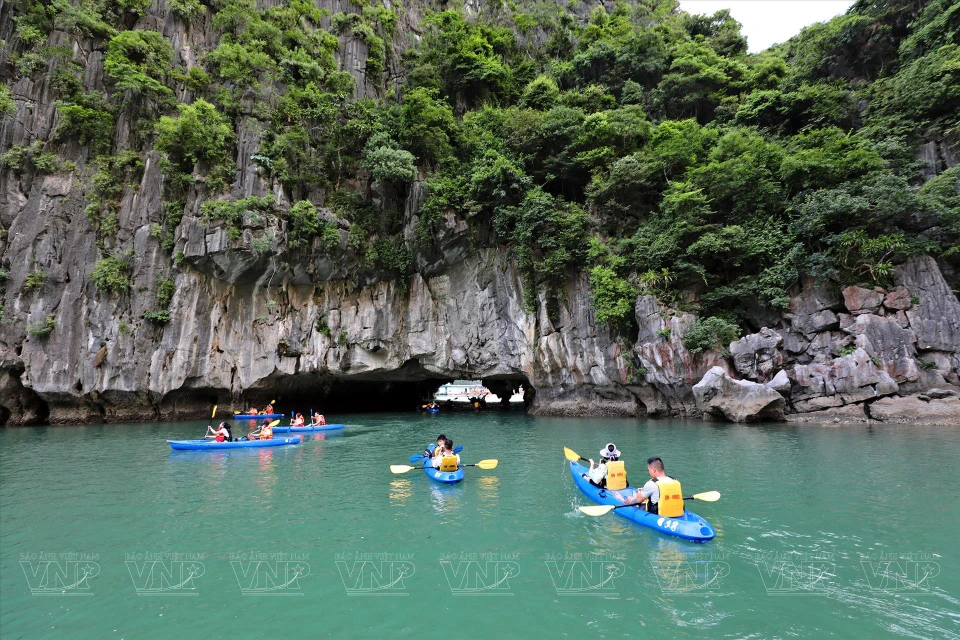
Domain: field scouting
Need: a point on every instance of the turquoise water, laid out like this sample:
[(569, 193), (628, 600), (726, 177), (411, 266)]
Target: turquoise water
[(321, 539)]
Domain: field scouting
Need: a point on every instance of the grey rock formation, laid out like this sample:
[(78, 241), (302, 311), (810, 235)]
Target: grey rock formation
[(845, 380), (935, 318), (720, 396), (757, 355), (780, 382), (671, 370)]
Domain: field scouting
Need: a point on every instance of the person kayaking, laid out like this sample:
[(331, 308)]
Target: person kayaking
[(267, 410), (447, 460), (265, 432), (221, 434), (661, 494), (297, 421), (318, 420), (616, 477), (437, 449), (253, 412), (597, 475)]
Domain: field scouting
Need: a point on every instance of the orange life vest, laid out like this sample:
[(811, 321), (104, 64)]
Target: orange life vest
[(266, 433)]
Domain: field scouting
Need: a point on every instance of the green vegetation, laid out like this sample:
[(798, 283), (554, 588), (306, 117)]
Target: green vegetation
[(35, 280), (631, 142), (111, 275), (158, 317), (42, 328), (710, 333), (166, 287)]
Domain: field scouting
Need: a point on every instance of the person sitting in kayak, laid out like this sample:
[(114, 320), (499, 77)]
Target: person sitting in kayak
[(265, 432), (656, 500), (597, 475), (222, 433), (267, 410), (298, 421), (318, 420), (437, 449), (447, 460), (253, 412)]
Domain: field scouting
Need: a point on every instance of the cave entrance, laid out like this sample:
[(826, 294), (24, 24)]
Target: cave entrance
[(406, 389)]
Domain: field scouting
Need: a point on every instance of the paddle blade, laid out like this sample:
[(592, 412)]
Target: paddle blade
[(399, 468), (709, 496), (597, 510), (415, 458), (571, 455), (214, 414), (488, 464), (458, 448), (274, 423)]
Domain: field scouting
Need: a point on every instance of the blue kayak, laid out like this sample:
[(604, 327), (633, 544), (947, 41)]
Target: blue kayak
[(446, 477), (262, 416), (213, 445), (689, 526), (319, 427), (432, 410)]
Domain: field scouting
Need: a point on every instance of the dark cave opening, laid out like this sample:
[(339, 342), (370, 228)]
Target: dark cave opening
[(356, 394)]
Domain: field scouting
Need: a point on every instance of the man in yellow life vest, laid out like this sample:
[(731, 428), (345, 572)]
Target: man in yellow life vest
[(447, 460), (661, 494)]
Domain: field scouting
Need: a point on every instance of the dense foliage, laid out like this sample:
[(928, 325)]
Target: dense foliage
[(639, 144)]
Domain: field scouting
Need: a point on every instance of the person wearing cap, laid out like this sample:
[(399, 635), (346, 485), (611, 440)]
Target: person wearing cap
[(610, 452)]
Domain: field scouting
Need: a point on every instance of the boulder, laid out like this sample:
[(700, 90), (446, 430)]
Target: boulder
[(720, 396), (898, 300), (859, 300), (913, 410), (780, 382), (757, 355)]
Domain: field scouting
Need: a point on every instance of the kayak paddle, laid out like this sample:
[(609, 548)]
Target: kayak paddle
[(573, 456), (483, 464), (417, 457), (603, 509), (214, 414)]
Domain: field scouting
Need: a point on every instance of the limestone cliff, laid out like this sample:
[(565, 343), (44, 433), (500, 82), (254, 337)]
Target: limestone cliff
[(248, 316)]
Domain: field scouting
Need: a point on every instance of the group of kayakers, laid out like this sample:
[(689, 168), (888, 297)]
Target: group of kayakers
[(222, 433), (611, 475), (441, 456), (264, 431), (316, 420), (267, 410)]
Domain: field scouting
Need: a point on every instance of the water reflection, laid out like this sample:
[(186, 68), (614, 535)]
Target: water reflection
[(400, 491), (445, 498), (489, 493), (266, 474)]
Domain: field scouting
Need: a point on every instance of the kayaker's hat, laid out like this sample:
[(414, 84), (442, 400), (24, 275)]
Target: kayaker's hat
[(610, 451)]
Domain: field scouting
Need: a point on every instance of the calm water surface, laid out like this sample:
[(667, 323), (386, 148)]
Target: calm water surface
[(847, 532)]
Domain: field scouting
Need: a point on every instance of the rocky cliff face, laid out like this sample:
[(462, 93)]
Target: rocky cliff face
[(249, 325)]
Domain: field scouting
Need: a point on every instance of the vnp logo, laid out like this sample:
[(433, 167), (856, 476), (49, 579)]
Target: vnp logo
[(164, 577), (50, 577), (585, 575), (270, 578), (374, 574), (689, 575), (480, 574), (907, 574), (797, 575)]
